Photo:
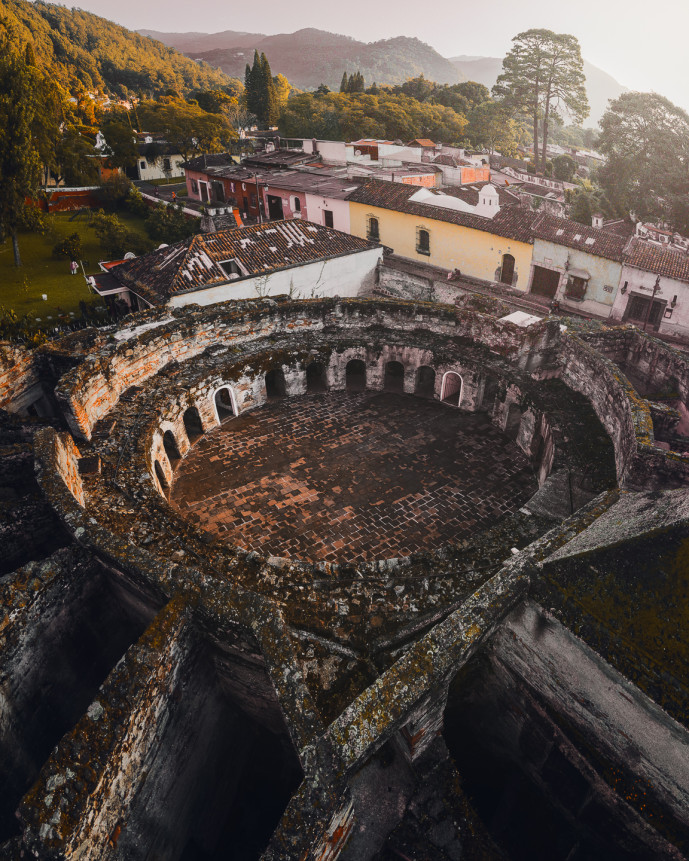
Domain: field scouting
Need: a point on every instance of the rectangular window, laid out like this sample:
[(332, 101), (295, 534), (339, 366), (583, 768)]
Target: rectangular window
[(373, 229), (194, 186), (166, 164), (254, 200), (143, 165), (328, 218), (423, 242), (576, 288)]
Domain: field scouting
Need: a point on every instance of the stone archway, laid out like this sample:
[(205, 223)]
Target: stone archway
[(275, 384), (316, 380), (192, 424), (355, 375), (452, 389), (224, 404), (171, 448), (394, 377), (425, 382)]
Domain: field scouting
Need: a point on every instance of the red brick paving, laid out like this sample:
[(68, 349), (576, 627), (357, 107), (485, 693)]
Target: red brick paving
[(346, 476)]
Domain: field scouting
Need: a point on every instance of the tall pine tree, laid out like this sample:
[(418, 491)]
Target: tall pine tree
[(344, 83), (269, 99)]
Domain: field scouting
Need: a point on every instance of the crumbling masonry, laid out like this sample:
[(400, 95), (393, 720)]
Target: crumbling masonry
[(517, 689)]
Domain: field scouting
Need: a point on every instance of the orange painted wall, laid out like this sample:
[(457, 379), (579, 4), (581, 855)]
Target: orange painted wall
[(427, 180)]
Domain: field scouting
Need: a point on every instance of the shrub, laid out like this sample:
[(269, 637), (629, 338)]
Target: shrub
[(169, 224), (115, 237), (69, 247)]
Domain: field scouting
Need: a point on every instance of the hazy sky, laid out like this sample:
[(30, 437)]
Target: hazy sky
[(641, 43)]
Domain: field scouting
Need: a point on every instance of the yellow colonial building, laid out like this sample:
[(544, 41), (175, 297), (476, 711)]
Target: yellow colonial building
[(466, 229)]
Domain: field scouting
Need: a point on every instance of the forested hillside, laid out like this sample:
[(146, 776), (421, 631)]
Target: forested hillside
[(84, 51), (311, 57)]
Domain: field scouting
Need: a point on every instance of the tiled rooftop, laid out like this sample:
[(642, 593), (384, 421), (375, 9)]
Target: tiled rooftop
[(511, 222), (593, 240), (661, 261), (197, 263)]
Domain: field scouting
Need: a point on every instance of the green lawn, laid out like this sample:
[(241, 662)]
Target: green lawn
[(21, 289)]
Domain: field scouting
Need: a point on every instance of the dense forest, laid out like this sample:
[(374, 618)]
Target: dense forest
[(82, 51)]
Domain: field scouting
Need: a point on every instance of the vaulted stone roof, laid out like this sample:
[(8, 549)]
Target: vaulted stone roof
[(205, 260), (511, 222)]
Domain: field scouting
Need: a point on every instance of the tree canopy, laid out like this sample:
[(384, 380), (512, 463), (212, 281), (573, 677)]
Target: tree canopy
[(349, 116), (646, 140), (543, 75)]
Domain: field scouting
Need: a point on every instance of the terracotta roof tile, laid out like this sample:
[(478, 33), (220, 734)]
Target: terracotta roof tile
[(196, 263), (661, 261), (511, 222), (593, 240)]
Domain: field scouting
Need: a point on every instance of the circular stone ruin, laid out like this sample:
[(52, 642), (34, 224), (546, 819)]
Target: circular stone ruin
[(314, 515), (350, 476)]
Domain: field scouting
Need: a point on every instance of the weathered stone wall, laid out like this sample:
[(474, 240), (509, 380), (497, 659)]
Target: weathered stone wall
[(553, 707), (91, 390), (20, 381)]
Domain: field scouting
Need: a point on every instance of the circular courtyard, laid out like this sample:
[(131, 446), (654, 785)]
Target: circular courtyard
[(351, 477)]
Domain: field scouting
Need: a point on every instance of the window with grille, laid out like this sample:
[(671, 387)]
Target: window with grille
[(423, 241), (576, 287), (372, 228)]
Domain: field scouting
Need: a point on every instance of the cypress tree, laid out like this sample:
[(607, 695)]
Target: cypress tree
[(344, 83), (268, 94)]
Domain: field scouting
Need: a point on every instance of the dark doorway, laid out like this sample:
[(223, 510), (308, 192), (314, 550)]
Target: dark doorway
[(507, 269), (171, 448), (425, 382), (545, 282), (192, 424), (315, 378), (356, 375), (275, 384), (452, 389), (160, 475), (394, 377), (490, 391), (514, 420), (637, 311), (275, 207), (224, 405)]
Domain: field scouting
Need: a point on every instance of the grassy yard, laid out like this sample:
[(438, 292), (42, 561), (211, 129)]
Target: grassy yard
[(21, 289)]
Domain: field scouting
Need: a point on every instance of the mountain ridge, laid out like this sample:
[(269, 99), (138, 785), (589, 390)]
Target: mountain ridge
[(376, 60)]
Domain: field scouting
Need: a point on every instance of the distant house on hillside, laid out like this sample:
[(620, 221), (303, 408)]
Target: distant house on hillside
[(283, 257)]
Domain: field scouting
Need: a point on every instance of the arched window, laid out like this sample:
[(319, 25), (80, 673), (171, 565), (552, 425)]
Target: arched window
[(423, 241), (507, 269), (372, 228), (355, 375), (160, 475), (275, 384), (425, 382), (513, 421), (451, 392), (171, 448), (394, 377), (224, 404), (192, 424), (315, 378)]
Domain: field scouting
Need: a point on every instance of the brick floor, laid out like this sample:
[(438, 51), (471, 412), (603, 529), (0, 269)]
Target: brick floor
[(351, 477)]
